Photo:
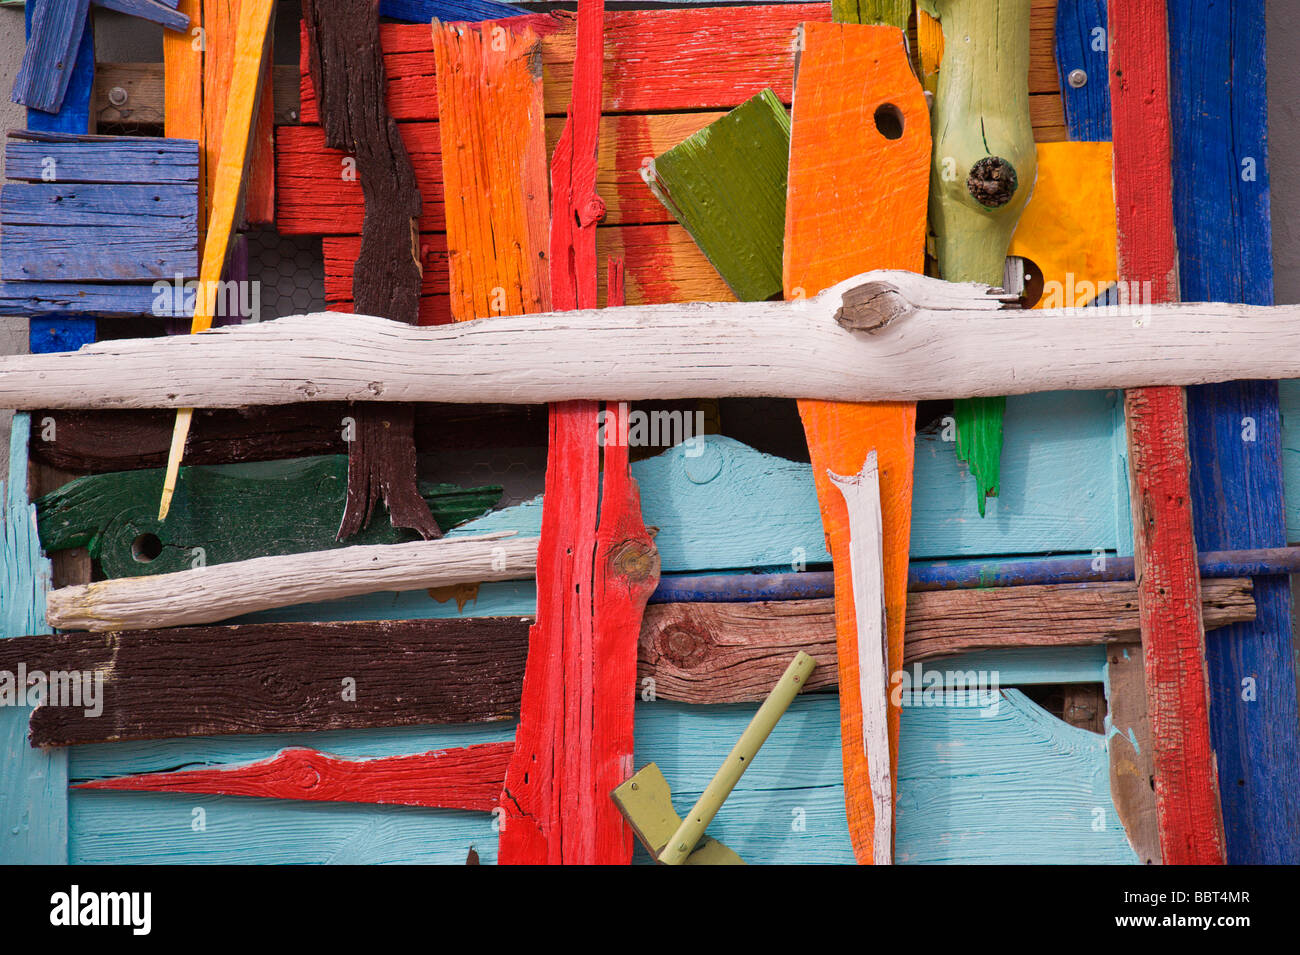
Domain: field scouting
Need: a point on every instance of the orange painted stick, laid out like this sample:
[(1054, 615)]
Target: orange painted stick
[(856, 200)]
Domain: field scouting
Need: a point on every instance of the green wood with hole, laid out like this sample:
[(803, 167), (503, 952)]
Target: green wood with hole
[(224, 513)]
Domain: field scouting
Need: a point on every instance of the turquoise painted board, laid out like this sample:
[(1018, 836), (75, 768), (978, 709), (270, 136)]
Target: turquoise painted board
[(1015, 785), (33, 782), (1290, 398)]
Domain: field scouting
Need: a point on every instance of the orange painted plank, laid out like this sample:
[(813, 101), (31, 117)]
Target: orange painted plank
[(493, 140), (183, 95), (856, 200)]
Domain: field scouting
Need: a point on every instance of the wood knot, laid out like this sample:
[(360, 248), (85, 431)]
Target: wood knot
[(683, 647), (637, 561), (992, 182), (871, 306)]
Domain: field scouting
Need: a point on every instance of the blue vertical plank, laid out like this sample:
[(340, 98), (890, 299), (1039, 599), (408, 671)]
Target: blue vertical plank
[(1221, 207), (33, 782), (422, 11), (55, 31), (1081, 42), (63, 333)]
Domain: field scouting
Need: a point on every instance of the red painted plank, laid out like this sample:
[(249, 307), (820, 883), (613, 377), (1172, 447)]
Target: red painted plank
[(1173, 637), (465, 778)]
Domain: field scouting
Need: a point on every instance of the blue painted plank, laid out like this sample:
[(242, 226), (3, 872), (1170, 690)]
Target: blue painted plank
[(159, 11), (74, 114), (1221, 212), (1289, 399), (46, 298), (123, 160), (167, 208), (33, 782), (1081, 44), (53, 43), (144, 252), (422, 11)]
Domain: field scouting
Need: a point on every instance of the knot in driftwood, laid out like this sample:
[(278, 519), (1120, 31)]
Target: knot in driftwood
[(992, 181), (871, 306), (683, 646), (636, 561)]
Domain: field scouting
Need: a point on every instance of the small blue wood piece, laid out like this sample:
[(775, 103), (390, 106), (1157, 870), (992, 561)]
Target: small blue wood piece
[(110, 301), (422, 11), (1082, 59), (52, 48), (33, 782), (1221, 211), (159, 11), (47, 335), (74, 115)]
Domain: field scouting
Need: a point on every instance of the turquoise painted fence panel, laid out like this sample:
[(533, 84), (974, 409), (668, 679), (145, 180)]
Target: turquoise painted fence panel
[(33, 782), (1290, 399)]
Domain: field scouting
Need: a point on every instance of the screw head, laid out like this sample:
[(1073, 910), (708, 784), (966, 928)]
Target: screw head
[(117, 96), (1077, 78)]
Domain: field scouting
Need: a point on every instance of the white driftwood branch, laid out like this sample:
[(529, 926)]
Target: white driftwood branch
[(222, 591), (879, 336), (867, 568)]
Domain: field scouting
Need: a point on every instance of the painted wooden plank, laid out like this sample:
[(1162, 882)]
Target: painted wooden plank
[(894, 13), (226, 185), (165, 12), (468, 778), (379, 673), (495, 176), (984, 167), (646, 352), (1128, 741), (182, 107), (343, 56), (423, 11), (1081, 48), (727, 185), (33, 785), (46, 335), (27, 298), (73, 115), (857, 78), (122, 160), (74, 254), (54, 38), (1173, 639), (209, 595), (1221, 217), (1289, 398), (297, 501), (87, 442), (733, 652)]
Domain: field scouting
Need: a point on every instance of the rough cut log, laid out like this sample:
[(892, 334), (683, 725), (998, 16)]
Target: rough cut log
[(729, 652), (212, 594), (879, 336)]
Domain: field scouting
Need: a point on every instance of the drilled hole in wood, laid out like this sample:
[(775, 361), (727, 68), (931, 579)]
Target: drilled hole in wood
[(1032, 292), (146, 548), (889, 121)]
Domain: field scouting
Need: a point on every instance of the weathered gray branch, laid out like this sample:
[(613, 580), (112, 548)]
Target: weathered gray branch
[(925, 339)]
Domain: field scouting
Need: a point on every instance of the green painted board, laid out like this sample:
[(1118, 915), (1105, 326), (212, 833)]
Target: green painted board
[(893, 13), (726, 186), (298, 504)]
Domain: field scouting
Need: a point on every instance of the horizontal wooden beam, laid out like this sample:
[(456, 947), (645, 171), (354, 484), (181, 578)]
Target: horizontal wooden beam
[(286, 677), (275, 678), (734, 652), (882, 336), (220, 592)]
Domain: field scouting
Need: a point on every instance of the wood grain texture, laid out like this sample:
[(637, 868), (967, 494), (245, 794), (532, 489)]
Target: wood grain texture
[(54, 37), (468, 778), (1128, 741), (495, 177), (733, 652), (861, 493), (346, 66), (1173, 638), (73, 114), (1082, 44), (726, 184), (95, 442), (213, 594), (83, 158), (271, 678), (34, 784), (849, 77), (297, 501), (984, 165), (182, 108), (1221, 217), (652, 352)]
